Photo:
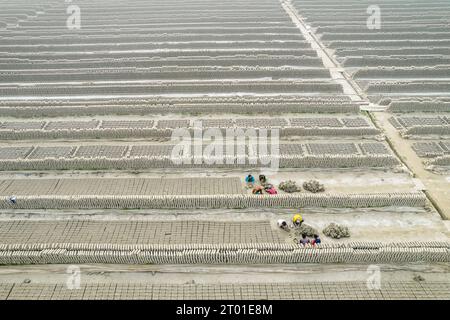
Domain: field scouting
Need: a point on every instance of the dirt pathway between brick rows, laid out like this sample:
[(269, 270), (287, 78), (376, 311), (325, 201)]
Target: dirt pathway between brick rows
[(304, 281), (214, 274), (336, 71), (437, 187)]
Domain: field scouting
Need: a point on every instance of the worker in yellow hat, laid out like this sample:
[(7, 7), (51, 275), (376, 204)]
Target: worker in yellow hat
[(297, 220)]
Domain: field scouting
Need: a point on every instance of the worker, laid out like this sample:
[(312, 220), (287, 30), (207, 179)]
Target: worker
[(13, 199), (270, 189), (316, 240), (262, 179), (304, 240), (250, 180), (258, 190), (297, 220), (282, 224)]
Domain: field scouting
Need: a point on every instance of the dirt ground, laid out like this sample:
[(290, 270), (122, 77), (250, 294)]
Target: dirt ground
[(437, 186), (392, 224), (355, 180), (169, 274)]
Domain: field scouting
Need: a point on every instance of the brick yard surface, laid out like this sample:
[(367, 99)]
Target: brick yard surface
[(252, 291), (144, 186), (109, 96), (152, 150), (137, 232)]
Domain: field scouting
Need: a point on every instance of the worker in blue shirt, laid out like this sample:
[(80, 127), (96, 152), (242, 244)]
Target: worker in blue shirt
[(250, 180)]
